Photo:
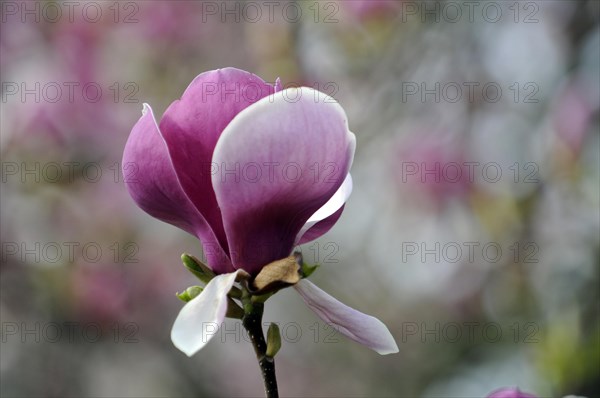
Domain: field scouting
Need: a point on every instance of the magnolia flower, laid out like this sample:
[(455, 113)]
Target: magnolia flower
[(510, 393), (252, 170)]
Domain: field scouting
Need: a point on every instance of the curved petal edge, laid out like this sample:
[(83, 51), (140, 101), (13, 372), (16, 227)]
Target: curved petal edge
[(326, 217)]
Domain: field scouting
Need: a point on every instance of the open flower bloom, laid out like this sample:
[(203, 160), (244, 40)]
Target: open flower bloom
[(252, 170)]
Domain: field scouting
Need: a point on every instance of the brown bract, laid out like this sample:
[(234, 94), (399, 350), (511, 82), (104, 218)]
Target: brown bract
[(278, 274)]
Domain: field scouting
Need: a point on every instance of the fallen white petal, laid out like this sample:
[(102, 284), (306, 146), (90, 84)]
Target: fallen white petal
[(355, 325), (200, 319)]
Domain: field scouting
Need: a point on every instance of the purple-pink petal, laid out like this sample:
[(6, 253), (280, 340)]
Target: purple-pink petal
[(364, 329), (153, 184), (192, 126), (284, 158)]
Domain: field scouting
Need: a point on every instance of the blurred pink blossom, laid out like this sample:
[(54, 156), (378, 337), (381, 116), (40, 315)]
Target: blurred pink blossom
[(363, 9), (100, 293), (572, 117), (434, 166), (510, 393)]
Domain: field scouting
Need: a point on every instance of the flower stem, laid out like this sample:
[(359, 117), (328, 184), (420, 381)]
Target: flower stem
[(252, 321)]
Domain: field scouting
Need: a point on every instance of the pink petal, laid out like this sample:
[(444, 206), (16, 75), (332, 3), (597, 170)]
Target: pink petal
[(355, 325), (272, 151), (192, 125), (200, 318), (152, 183)]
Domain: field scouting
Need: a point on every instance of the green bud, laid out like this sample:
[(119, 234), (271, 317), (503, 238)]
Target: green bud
[(189, 293), (183, 296), (273, 340), (307, 270), (196, 267), (194, 291)]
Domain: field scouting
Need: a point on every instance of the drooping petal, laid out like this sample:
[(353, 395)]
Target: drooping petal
[(355, 325), (151, 181), (286, 156), (199, 319), (326, 217), (192, 125)]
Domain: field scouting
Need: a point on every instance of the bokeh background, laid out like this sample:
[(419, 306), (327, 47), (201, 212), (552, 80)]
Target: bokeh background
[(487, 278)]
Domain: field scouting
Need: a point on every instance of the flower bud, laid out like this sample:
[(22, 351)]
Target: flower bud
[(273, 340), (196, 267), (305, 269), (189, 293)]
